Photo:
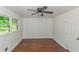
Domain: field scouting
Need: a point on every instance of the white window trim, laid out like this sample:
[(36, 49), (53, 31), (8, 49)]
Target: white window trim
[(10, 26)]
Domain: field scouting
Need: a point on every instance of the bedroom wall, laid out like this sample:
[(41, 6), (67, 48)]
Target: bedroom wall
[(63, 28), (37, 27), (66, 29), (10, 40)]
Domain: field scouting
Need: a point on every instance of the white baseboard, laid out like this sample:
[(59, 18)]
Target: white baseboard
[(15, 45), (37, 37), (59, 43)]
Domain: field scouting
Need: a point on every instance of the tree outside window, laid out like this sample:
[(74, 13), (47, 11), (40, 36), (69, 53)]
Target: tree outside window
[(7, 25)]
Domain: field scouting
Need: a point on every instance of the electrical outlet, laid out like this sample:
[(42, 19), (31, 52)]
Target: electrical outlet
[(77, 38), (6, 49)]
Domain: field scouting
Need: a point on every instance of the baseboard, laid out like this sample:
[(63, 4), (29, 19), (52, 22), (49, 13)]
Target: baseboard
[(61, 44), (15, 45), (67, 50), (37, 38)]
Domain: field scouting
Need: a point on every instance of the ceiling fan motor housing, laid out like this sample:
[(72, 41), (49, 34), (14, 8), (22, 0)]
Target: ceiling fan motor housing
[(40, 10)]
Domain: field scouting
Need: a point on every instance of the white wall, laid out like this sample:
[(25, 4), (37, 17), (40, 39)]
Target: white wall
[(66, 29), (37, 27), (10, 40)]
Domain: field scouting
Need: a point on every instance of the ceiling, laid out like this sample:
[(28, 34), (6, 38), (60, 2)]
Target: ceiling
[(22, 10)]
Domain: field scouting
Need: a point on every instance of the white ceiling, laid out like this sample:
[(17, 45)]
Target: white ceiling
[(22, 10)]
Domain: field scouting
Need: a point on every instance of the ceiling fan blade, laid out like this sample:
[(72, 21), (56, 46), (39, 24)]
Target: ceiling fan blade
[(32, 10), (49, 12), (35, 13), (45, 7)]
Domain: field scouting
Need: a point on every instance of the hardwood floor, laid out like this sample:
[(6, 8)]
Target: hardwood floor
[(39, 45)]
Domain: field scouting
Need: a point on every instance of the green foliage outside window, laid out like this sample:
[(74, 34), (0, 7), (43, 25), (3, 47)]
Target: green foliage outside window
[(6, 25)]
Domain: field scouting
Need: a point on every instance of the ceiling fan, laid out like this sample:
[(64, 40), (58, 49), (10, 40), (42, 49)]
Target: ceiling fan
[(41, 10)]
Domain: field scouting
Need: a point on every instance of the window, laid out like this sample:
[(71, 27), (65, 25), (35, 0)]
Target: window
[(14, 25), (7, 25), (4, 24)]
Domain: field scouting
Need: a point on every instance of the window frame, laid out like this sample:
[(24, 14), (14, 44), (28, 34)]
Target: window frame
[(16, 24), (9, 25)]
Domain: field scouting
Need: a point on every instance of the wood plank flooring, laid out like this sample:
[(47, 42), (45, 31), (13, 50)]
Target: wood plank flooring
[(39, 45)]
